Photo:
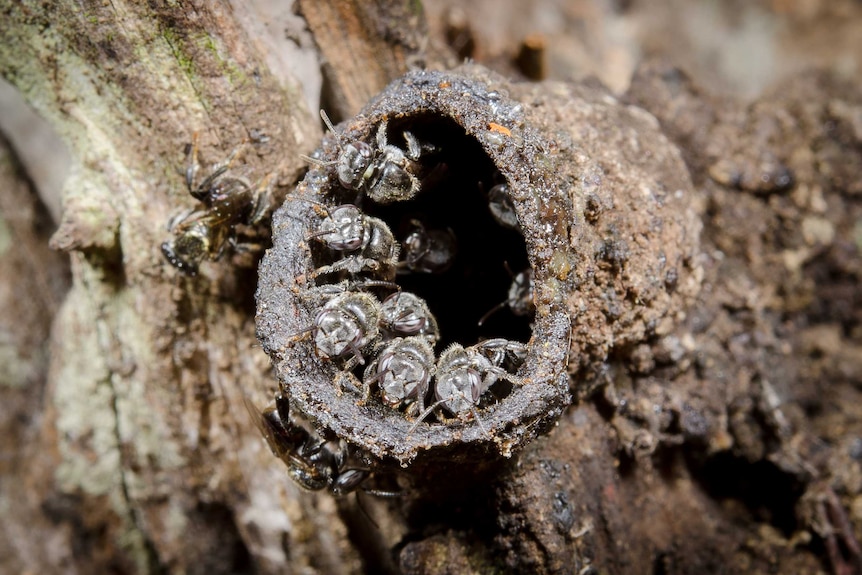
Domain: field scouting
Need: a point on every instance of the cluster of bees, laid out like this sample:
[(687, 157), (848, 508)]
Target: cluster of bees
[(364, 322), (392, 341)]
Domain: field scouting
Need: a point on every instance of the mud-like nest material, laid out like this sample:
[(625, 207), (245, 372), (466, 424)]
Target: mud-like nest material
[(603, 203)]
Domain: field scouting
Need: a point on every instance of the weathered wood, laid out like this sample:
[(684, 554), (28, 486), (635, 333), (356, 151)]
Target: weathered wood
[(144, 435), (363, 47), (34, 281)]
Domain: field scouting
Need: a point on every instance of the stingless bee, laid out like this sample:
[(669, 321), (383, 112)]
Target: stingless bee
[(346, 326), (227, 201), (363, 243), (314, 464), (428, 251), (519, 299), (501, 207), (462, 375), (402, 371), (384, 173), (404, 314)]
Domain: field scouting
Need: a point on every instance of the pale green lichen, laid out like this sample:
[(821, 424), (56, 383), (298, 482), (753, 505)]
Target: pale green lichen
[(138, 427), (235, 75), (186, 64), (98, 399), (183, 51), (83, 400), (16, 370)]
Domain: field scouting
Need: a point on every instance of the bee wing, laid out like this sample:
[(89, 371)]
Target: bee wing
[(265, 429)]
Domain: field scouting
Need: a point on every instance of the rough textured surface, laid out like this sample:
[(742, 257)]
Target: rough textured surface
[(612, 241), (27, 307), (729, 444), (143, 437), (363, 46)]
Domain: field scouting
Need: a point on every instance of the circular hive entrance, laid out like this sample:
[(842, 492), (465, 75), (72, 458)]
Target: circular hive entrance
[(496, 374)]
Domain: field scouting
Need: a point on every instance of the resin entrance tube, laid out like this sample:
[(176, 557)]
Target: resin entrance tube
[(560, 181)]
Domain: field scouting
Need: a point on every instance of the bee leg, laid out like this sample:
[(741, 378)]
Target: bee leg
[(192, 165), (414, 148), (200, 192), (262, 199), (348, 480)]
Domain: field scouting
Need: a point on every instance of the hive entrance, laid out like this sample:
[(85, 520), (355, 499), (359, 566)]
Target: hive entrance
[(458, 175), (318, 326), (461, 199)]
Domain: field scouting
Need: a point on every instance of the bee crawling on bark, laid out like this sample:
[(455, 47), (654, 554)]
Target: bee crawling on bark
[(312, 462), (226, 202)]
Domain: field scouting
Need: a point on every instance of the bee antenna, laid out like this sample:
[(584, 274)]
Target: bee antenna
[(319, 233), (328, 123), (379, 284), (492, 311), (479, 420), (381, 493), (357, 353), (424, 414), (377, 377), (316, 161), (509, 269), (403, 314)]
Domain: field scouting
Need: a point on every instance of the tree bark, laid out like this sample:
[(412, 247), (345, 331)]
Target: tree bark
[(144, 438), (364, 46), (728, 441)]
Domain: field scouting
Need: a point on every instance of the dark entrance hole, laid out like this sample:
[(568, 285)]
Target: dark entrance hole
[(457, 177)]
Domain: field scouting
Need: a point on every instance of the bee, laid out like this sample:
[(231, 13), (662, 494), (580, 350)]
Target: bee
[(314, 464), (462, 375), (384, 173), (501, 207), (346, 326), (402, 370), (519, 298), (404, 314), (226, 201), (505, 353), (363, 243), (428, 251)]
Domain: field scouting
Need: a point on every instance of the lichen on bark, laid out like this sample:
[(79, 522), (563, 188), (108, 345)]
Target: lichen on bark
[(144, 424)]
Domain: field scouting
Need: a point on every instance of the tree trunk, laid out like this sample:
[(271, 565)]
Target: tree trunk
[(143, 438), (715, 443)]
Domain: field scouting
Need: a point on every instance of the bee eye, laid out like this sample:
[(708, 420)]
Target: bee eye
[(352, 164)]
